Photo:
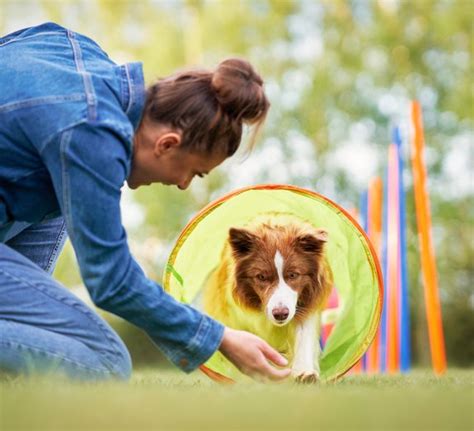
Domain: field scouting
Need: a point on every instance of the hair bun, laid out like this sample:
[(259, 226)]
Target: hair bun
[(239, 90)]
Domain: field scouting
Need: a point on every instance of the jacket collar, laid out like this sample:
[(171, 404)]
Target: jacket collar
[(133, 91)]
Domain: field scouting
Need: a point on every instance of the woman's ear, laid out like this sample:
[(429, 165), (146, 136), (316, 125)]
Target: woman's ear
[(165, 142)]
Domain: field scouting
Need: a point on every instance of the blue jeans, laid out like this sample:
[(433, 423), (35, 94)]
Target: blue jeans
[(44, 327)]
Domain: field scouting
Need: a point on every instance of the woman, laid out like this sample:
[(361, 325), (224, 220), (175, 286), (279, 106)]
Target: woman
[(73, 127)]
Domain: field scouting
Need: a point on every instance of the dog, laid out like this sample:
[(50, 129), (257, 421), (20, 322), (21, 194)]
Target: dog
[(273, 280)]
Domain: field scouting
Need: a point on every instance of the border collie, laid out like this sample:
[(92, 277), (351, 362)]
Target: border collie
[(274, 280)]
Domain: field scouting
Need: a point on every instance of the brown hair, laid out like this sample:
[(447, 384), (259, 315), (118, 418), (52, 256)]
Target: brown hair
[(210, 107)]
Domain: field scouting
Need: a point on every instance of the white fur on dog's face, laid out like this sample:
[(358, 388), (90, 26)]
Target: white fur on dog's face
[(283, 296)]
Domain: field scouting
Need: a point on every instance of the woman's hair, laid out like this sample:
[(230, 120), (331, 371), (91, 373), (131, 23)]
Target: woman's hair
[(210, 107)]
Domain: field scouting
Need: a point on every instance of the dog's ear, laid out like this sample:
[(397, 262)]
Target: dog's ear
[(241, 241), (321, 235), (312, 243)]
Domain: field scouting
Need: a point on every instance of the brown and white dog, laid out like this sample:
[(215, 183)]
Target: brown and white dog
[(273, 280)]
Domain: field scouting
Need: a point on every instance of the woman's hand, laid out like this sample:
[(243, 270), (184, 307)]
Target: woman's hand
[(251, 355)]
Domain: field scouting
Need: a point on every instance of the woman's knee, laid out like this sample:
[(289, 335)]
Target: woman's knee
[(29, 350), (123, 365)]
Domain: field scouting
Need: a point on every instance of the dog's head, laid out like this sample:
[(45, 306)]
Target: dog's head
[(279, 270)]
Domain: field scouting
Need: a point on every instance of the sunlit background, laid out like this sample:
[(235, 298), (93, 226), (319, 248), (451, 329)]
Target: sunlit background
[(339, 75)]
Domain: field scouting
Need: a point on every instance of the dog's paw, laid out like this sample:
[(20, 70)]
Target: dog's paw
[(306, 377)]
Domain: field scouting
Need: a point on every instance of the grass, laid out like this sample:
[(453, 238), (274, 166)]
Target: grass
[(169, 400)]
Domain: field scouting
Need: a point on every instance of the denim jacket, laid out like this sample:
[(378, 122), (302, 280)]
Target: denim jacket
[(67, 120)]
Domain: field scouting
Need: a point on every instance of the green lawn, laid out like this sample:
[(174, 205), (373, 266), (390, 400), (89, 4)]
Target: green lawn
[(169, 400)]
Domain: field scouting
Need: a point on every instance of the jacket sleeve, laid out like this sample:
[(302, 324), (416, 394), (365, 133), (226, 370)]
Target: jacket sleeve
[(88, 165)]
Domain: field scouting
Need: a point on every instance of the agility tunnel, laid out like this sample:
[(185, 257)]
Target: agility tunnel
[(357, 275)]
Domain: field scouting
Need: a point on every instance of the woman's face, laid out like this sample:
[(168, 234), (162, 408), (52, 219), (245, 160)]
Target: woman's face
[(159, 158)]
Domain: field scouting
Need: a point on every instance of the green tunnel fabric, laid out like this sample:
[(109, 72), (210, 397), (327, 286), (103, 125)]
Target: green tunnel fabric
[(356, 272)]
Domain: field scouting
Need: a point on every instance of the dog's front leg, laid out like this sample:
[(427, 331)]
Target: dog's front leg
[(307, 350)]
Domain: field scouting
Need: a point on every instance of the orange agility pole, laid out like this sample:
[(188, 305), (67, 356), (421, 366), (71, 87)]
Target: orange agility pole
[(393, 263), (428, 264), (374, 226)]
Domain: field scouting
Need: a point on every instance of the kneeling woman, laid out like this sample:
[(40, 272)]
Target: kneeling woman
[(74, 127)]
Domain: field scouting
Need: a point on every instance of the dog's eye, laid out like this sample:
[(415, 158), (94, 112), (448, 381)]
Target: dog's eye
[(261, 277), (293, 275)]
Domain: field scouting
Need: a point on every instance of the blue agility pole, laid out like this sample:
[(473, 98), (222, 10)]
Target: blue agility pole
[(405, 339)]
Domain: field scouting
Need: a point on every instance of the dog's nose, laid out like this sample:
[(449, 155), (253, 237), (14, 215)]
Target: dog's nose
[(280, 313)]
